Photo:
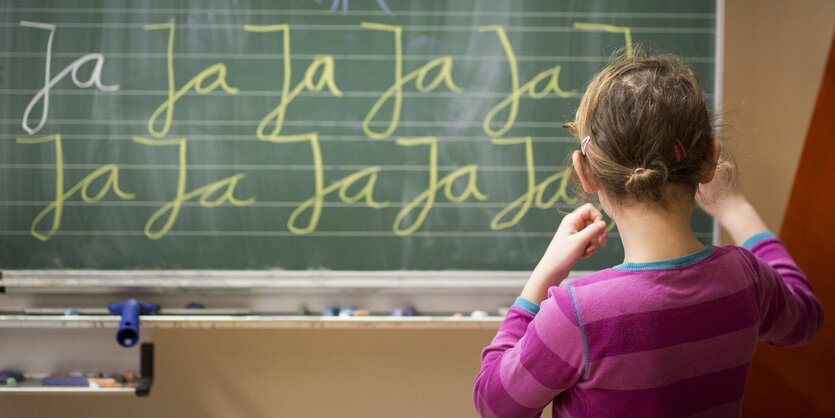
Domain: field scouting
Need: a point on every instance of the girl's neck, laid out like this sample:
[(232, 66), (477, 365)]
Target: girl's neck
[(650, 233)]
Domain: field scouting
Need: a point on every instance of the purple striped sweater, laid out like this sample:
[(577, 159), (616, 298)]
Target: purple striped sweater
[(670, 338)]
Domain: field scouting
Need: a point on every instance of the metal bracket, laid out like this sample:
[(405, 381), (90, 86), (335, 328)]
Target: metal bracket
[(146, 370)]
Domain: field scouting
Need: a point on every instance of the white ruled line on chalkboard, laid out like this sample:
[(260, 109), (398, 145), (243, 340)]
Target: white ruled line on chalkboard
[(355, 57), (277, 93), (399, 13), (272, 167), (260, 204), (353, 27), (270, 234), (267, 234), (322, 138), (302, 123)]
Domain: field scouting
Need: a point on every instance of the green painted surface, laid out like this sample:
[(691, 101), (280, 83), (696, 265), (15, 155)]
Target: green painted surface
[(251, 227)]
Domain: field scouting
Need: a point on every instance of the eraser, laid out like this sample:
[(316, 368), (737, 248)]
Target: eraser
[(479, 314)]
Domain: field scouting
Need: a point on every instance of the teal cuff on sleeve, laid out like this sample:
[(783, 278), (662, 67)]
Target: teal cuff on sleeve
[(526, 305), (756, 238)]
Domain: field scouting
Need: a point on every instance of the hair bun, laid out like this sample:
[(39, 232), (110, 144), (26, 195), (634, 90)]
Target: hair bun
[(647, 182)]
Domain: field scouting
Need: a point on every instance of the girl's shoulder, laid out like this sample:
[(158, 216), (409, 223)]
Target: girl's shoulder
[(710, 257), (713, 270)]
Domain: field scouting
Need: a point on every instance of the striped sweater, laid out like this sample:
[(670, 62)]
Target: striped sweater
[(669, 338)]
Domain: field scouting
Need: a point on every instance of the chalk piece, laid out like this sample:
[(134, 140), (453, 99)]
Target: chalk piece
[(362, 312), (479, 314), (347, 311), (11, 382), (331, 311), (104, 383), (502, 311), (397, 312), (458, 315), (72, 312), (303, 311), (195, 305), (410, 311), (130, 376)]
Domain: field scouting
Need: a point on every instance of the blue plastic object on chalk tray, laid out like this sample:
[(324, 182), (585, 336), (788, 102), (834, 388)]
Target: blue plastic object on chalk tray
[(127, 335), (78, 381)]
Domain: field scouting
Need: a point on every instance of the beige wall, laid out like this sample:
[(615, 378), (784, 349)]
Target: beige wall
[(775, 51), (291, 373), (774, 59)]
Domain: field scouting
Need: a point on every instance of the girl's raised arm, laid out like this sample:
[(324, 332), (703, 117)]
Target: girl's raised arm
[(790, 313)]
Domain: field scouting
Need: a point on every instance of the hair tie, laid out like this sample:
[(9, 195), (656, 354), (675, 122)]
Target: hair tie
[(678, 145), (584, 143), (639, 169)]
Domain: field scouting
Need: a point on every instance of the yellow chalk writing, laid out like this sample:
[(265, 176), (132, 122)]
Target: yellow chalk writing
[(561, 180), (110, 172), (322, 65), (315, 202), (172, 208), (443, 65), (535, 193), (600, 27), (550, 76), (426, 198), (218, 71)]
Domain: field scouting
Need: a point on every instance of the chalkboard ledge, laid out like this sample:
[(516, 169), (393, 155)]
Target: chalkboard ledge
[(254, 322), (35, 388), (168, 281), (268, 292)]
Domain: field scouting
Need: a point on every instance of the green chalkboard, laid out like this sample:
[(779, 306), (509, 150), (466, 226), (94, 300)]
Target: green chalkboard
[(375, 135)]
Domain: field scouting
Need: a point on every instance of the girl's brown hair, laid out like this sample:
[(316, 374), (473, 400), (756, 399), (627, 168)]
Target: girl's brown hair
[(648, 125)]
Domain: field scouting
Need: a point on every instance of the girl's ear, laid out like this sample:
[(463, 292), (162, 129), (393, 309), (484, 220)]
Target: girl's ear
[(586, 179), (709, 168)]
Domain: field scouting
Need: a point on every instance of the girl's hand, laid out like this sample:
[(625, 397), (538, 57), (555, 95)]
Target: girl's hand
[(723, 194), (723, 199), (577, 237)]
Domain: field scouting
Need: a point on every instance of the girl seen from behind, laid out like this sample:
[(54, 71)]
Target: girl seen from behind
[(672, 330)]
